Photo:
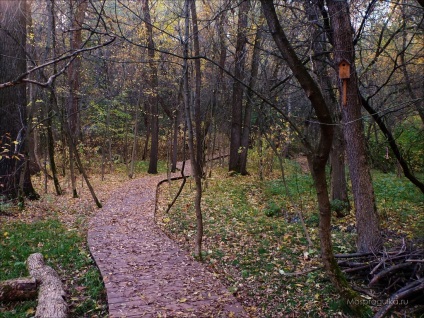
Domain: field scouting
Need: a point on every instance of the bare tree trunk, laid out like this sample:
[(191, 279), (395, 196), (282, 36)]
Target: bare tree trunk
[(134, 149), (188, 114), (72, 168), (50, 141), (237, 102), (152, 98), (77, 10), (52, 103), (74, 75), (126, 127), (13, 102), (418, 102), (245, 137), (174, 155), (367, 221), (200, 136), (320, 67), (317, 156)]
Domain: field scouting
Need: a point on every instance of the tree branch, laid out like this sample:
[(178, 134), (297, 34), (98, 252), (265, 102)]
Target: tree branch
[(23, 77)]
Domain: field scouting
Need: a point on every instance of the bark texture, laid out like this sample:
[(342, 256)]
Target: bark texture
[(191, 133), (51, 295), (18, 289), (317, 155), (238, 91), (367, 220), (152, 96), (322, 72), (13, 102)]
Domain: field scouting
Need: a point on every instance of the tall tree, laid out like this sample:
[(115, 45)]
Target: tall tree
[(317, 154), (367, 220), (322, 72), (77, 14), (238, 89), (192, 132), (152, 93), (200, 135), (52, 103), (14, 176), (245, 137)]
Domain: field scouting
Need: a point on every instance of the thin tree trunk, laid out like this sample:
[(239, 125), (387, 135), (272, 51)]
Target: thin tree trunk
[(134, 149), (72, 168), (174, 155), (50, 142), (126, 127), (249, 103), (237, 99), (52, 103), (188, 114), (392, 143), (418, 102), (200, 136)]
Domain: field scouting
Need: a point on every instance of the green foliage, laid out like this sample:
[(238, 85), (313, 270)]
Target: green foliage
[(409, 136), (339, 205), (255, 253), (399, 202), (63, 250), (272, 209)]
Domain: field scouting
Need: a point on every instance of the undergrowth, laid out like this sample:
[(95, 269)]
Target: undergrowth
[(63, 250), (56, 226), (254, 240)]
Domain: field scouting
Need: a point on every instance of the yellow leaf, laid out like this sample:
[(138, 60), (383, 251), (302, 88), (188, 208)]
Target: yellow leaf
[(182, 300), (30, 311)]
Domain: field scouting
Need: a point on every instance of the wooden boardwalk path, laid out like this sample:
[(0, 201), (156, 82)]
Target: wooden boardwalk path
[(145, 273)]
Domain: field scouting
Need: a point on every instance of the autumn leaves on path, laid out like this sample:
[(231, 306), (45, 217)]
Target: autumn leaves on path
[(145, 273)]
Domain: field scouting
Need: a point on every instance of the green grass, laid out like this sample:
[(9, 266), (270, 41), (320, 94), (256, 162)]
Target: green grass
[(141, 167), (251, 249), (399, 202), (65, 251), (253, 237)]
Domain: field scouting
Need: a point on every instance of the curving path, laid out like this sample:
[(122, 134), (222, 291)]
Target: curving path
[(145, 273)]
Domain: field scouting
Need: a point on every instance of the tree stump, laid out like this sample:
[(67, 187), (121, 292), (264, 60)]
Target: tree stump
[(51, 295), (18, 289)]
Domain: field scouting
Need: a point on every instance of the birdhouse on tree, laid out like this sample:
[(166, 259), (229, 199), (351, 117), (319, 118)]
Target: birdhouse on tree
[(344, 74), (344, 69)]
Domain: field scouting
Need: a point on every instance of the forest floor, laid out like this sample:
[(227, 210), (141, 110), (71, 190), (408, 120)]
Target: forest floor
[(253, 239), (145, 273)]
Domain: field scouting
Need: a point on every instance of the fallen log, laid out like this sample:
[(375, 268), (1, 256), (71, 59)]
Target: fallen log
[(51, 295), (387, 272), (18, 289)]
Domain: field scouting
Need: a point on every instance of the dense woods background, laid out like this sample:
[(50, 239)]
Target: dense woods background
[(87, 87)]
